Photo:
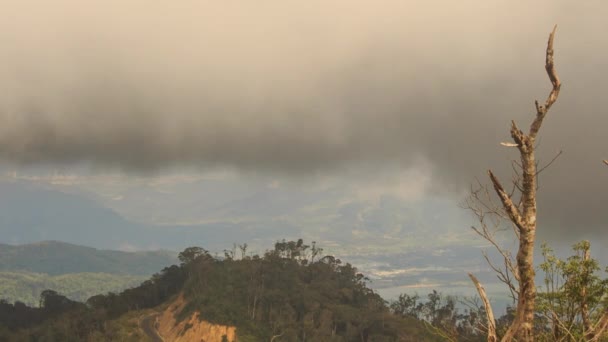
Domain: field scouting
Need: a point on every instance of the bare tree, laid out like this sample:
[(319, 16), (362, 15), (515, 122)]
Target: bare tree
[(518, 207)]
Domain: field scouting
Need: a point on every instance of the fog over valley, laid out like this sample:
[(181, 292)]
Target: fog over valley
[(131, 130)]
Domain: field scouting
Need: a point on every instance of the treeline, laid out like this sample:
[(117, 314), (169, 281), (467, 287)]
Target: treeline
[(60, 319), (290, 293), (295, 293), (26, 287), (570, 303)]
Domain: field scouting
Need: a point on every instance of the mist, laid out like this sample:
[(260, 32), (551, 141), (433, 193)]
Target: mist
[(305, 88)]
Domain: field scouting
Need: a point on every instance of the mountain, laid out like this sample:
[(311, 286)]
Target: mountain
[(31, 212), (26, 287), (56, 258), (382, 233), (78, 272), (289, 293)]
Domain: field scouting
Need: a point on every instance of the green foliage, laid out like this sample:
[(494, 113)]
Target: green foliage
[(290, 293), (56, 258), (61, 319), (27, 287), (407, 306), (75, 271), (572, 300), (441, 316), (190, 254), (571, 287)]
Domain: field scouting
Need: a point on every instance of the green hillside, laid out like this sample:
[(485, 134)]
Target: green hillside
[(26, 287), (290, 293), (56, 258), (77, 272)]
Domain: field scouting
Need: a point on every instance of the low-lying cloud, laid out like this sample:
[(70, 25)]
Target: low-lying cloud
[(294, 87)]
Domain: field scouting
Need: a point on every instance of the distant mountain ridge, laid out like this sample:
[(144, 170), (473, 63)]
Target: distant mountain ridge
[(56, 258), (77, 272), (26, 287), (217, 213), (31, 212)]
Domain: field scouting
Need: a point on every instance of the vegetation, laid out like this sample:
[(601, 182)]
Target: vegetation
[(442, 316), (568, 307), (518, 208), (575, 297), (572, 307), (290, 293), (294, 293), (26, 287), (77, 272), (55, 258)]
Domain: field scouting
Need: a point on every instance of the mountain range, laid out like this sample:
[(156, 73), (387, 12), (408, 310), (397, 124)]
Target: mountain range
[(201, 213), (77, 272)]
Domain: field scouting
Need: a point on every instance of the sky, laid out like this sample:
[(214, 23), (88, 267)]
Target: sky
[(304, 91)]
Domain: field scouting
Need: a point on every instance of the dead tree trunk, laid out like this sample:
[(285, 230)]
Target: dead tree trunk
[(587, 328), (523, 214), (489, 313)]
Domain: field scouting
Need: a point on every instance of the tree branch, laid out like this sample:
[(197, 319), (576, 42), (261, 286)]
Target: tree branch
[(523, 215), (549, 163), (541, 110), (489, 313), (507, 203), (600, 327)]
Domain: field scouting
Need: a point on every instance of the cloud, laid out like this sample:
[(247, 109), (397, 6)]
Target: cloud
[(294, 88)]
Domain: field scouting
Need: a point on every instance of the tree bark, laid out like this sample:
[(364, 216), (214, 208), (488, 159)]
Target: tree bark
[(525, 220), (584, 303), (489, 313), (523, 215)]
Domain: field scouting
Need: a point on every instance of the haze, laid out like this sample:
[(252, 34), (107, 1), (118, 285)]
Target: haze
[(309, 91)]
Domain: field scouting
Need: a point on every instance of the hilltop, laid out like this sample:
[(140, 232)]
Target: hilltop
[(290, 293)]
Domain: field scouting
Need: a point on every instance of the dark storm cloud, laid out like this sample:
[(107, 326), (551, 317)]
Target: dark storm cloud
[(298, 87)]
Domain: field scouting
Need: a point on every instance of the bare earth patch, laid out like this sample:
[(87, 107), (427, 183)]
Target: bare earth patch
[(190, 329)]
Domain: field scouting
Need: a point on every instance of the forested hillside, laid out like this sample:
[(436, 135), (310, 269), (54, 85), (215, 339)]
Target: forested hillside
[(26, 286), (77, 272), (55, 258), (292, 292)]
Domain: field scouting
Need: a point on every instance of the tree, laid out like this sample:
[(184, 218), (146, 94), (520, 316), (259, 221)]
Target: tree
[(53, 302), (573, 297), (518, 206), (407, 305), (189, 254)]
